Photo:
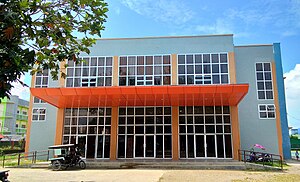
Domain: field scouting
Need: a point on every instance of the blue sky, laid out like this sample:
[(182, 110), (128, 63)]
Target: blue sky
[(251, 22)]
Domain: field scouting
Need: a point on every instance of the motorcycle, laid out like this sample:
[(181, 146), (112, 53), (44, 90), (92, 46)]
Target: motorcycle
[(4, 176)]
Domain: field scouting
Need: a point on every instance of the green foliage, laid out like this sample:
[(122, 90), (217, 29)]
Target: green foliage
[(40, 34)]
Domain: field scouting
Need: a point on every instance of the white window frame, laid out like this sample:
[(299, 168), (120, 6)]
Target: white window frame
[(40, 101), (266, 111), (89, 77), (203, 75), (264, 81), (42, 76), (38, 114), (146, 78)]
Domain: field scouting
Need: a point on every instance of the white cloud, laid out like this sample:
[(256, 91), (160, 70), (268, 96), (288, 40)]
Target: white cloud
[(292, 85), (22, 91), (221, 26), (174, 12)]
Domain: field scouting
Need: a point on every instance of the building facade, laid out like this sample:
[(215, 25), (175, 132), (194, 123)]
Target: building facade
[(189, 97), (13, 116)]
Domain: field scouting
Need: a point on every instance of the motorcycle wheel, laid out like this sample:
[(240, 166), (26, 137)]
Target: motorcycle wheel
[(82, 164), (56, 165)]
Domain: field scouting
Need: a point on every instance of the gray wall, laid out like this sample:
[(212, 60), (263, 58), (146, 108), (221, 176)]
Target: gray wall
[(42, 133), (252, 129), (163, 45)]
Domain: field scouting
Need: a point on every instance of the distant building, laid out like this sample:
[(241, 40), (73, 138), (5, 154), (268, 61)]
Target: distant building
[(295, 131), (13, 116)]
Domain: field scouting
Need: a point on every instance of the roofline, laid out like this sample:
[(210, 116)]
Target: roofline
[(159, 37), (254, 45)]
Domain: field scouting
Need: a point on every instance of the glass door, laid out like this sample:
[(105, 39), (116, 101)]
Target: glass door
[(200, 146), (210, 146), (149, 146), (139, 146), (81, 141)]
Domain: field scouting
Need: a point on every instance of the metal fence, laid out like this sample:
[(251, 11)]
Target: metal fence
[(25, 158), (262, 158)]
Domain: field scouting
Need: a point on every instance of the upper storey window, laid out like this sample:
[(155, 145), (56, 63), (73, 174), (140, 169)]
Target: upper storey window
[(91, 72), (41, 79), (264, 81), (144, 70), (203, 69)]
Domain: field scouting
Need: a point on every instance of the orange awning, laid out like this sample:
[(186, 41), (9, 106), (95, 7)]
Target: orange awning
[(186, 95)]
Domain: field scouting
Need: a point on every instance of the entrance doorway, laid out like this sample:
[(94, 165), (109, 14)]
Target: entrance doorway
[(81, 141), (144, 146), (91, 146)]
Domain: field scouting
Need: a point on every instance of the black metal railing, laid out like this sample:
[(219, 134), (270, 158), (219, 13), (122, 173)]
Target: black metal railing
[(25, 158), (262, 158)]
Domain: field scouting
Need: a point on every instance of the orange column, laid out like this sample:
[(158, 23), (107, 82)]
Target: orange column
[(277, 109), (115, 71), (236, 144), (232, 71), (175, 112), (59, 126), (29, 117), (174, 69), (234, 113), (113, 133)]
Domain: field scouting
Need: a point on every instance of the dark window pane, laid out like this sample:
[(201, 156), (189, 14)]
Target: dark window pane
[(259, 76), (263, 114), (190, 79), (189, 59), (269, 94), (260, 86), (198, 69), (227, 129), (199, 120), (224, 79), (159, 120), (181, 69), (261, 95), (121, 146), (215, 58), (268, 85), (182, 143), (267, 67), (181, 79), (206, 58), (268, 76), (259, 67), (224, 68), (190, 145), (190, 69), (228, 147), (209, 128), (198, 58), (220, 146), (181, 59), (223, 58)]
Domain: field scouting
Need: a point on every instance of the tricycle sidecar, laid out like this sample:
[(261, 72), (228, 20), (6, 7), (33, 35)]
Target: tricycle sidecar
[(66, 156)]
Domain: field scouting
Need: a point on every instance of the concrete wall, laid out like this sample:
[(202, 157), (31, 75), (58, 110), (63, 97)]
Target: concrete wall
[(252, 129), (42, 133), (163, 45)]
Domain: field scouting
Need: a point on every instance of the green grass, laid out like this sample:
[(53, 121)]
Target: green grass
[(12, 160)]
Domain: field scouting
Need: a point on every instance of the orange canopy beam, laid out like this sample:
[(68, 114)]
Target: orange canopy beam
[(187, 95)]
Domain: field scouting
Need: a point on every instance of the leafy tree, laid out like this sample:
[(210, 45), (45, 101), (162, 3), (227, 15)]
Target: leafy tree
[(40, 34)]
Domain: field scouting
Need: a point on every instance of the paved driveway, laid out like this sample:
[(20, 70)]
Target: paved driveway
[(147, 175)]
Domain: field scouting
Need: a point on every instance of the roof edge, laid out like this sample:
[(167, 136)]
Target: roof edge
[(254, 45), (159, 37)]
